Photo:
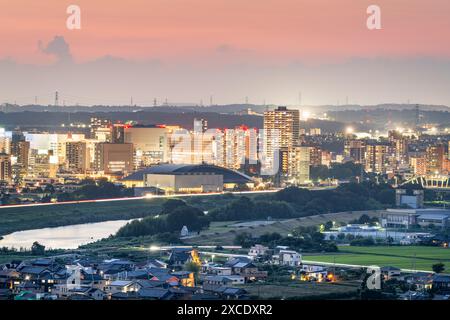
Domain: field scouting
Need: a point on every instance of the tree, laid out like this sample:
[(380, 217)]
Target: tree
[(172, 204), (37, 249), (192, 267), (244, 239), (194, 219), (328, 225), (438, 267)]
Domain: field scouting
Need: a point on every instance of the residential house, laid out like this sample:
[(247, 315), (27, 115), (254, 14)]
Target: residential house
[(258, 250), (213, 282), (441, 283), (286, 257), (390, 272)]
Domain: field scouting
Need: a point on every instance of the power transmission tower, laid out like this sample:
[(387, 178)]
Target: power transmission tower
[(56, 99)]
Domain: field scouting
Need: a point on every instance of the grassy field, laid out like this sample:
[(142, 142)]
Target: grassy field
[(223, 233), (301, 290), (4, 258), (405, 257)]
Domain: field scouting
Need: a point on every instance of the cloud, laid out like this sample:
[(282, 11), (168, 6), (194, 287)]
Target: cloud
[(57, 47)]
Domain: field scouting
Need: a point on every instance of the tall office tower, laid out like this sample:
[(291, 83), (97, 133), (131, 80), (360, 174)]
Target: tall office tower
[(76, 157), (5, 168), (354, 150), (281, 135), (150, 144), (376, 157), (114, 158), (399, 145), (435, 158), (101, 129), (419, 164), (300, 162)]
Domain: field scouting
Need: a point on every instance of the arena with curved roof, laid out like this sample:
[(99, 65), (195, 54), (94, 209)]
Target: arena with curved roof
[(228, 177)]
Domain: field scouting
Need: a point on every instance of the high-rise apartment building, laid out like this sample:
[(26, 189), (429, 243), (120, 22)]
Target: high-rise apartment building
[(300, 164), (399, 144), (418, 164), (20, 151), (435, 158), (281, 135), (76, 157), (376, 157), (354, 150), (5, 168), (236, 148), (315, 156)]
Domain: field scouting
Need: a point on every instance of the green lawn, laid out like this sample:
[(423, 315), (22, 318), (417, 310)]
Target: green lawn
[(405, 257)]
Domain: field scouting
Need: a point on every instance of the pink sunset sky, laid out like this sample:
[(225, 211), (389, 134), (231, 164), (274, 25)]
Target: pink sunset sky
[(328, 38)]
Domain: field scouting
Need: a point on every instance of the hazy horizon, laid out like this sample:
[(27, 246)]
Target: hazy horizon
[(190, 50)]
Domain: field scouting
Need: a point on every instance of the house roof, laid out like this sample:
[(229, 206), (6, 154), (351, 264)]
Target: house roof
[(153, 293), (234, 261), (156, 263), (433, 216), (121, 283), (218, 279), (150, 283), (33, 270), (441, 278)]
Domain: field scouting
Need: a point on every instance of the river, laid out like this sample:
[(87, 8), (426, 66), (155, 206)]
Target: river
[(67, 237)]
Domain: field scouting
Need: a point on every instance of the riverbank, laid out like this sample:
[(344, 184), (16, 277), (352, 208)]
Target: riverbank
[(28, 218)]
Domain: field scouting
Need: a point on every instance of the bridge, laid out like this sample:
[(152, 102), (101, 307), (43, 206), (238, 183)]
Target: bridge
[(431, 182)]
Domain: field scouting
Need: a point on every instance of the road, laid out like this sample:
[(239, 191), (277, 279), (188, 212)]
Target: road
[(148, 197), (135, 198)]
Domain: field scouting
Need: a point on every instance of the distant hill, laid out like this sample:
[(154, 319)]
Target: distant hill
[(27, 120), (224, 109)]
